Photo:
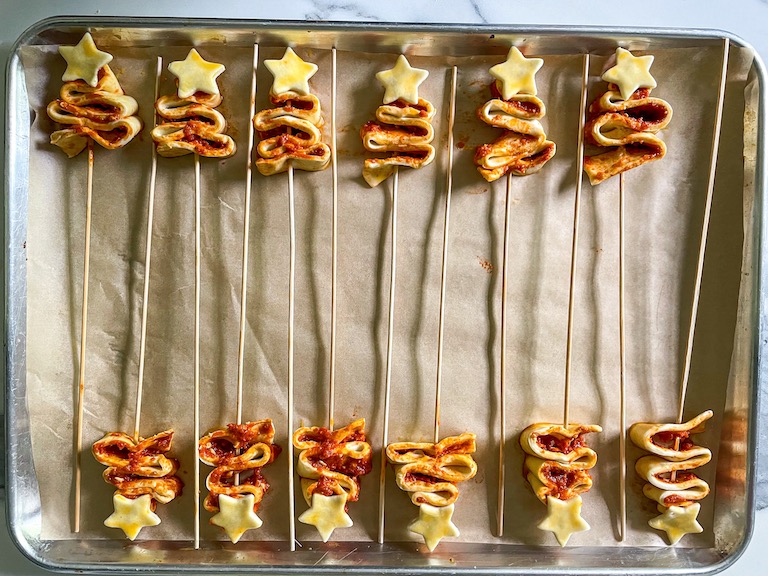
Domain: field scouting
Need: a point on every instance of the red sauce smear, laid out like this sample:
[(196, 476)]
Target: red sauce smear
[(560, 444)]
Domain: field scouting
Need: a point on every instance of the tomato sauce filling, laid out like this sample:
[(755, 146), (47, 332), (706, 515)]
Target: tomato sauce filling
[(400, 103), (667, 440), (561, 444), (373, 126), (326, 455), (523, 105), (561, 481)]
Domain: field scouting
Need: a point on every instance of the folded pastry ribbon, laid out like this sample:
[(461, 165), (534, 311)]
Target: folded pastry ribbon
[(402, 130), (102, 113), (657, 468), (238, 449), (429, 472), (557, 460), (332, 461), (192, 125), (629, 128), (138, 467), (291, 133), (523, 148)]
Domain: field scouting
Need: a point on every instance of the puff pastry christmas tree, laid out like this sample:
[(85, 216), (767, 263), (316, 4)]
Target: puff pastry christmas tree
[(667, 472), (402, 131), (236, 485), (429, 473), (91, 105), (143, 475), (191, 124), (330, 465), (557, 465), (626, 119), (523, 148), (290, 132)]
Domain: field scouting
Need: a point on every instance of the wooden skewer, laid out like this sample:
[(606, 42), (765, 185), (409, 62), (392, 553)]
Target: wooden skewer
[(444, 267), (502, 358), (291, 308), (622, 373), (703, 244), (196, 506), (335, 236), (83, 336), (705, 230), (390, 338), (147, 267), (575, 240), (246, 231)]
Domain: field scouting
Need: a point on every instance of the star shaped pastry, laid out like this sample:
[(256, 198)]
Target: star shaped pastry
[(236, 516), (434, 524), (630, 73), (517, 75), (326, 514), (291, 73), (402, 82), (677, 521), (196, 74), (132, 514), (564, 518), (84, 61)]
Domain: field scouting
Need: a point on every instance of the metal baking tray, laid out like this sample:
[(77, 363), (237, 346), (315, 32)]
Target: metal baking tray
[(734, 508)]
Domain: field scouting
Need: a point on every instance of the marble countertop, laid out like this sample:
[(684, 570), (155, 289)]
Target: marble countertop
[(745, 18)]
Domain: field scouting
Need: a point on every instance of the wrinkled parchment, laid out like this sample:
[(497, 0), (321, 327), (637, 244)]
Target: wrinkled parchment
[(664, 208)]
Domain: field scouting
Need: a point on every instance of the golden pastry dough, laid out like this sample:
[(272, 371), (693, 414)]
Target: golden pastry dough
[(102, 113), (84, 61), (132, 514), (290, 135), (434, 524), (236, 516), (516, 75), (404, 132), (239, 450), (326, 513), (192, 125), (657, 468), (332, 461), (429, 472), (558, 461), (291, 74), (523, 149), (557, 465), (629, 128), (677, 521), (630, 73), (195, 74), (402, 82), (139, 467), (563, 518)]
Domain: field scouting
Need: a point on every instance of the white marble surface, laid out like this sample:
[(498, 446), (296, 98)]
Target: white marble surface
[(745, 18)]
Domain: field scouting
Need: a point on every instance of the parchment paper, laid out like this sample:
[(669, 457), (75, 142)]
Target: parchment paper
[(664, 208)]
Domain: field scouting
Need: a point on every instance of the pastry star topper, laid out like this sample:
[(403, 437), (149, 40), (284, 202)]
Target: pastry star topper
[(291, 73), (84, 60), (630, 73), (236, 516), (434, 524), (516, 75), (402, 82), (677, 521), (132, 514), (564, 518), (196, 74), (326, 514)]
